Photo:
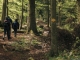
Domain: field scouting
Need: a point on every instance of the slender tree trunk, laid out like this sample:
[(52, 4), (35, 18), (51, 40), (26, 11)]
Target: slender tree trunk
[(22, 16), (3, 11), (6, 7), (47, 11), (48, 14), (54, 44), (59, 14), (28, 21), (32, 19)]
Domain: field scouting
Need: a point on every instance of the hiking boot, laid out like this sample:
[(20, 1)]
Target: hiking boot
[(3, 38)]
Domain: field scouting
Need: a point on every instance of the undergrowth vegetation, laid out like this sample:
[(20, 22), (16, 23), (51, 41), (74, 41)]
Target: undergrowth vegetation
[(74, 53), (20, 45), (23, 45)]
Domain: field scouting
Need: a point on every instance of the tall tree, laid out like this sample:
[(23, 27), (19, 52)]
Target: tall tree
[(32, 20), (47, 10), (59, 13), (54, 46), (3, 11), (22, 16), (6, 7)]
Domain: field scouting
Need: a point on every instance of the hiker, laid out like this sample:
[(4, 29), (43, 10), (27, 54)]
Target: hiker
[(15, 26), (10, 21), (6, 25)]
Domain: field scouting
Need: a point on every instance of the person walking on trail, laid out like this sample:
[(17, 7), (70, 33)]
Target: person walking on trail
[(6, 25), (10, 21), (15, 26)]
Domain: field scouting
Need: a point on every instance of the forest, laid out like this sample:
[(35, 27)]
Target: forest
[(48, 30)]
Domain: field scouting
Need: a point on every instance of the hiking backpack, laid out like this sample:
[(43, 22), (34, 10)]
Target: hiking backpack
[(6, 24), (15, 25)]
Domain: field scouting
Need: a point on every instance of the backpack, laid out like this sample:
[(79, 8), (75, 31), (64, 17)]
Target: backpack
[(15, 25), (6, 24)]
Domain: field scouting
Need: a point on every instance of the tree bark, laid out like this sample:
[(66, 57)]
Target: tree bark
[(59, 14), (6, 7), (21, 16), (54, 43), (32, 20), (3, 11)]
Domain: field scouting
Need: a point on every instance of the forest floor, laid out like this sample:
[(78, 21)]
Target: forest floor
[(37, 49)]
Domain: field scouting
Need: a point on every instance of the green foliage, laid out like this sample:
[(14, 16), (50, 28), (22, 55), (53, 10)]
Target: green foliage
[(1, 8), (39, 29), (67, 9), (66, 56), (73, 54), (15, 7), (77, 43), (20, 45), (68, 27), (35, 42), (30, 58)]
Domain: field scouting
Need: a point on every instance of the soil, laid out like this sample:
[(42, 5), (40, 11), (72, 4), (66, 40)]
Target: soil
[(33, 53)]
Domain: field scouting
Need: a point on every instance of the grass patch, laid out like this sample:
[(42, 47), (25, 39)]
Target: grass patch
[(20, 45)]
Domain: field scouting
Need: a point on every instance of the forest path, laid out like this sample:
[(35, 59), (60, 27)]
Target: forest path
[(34, 53)]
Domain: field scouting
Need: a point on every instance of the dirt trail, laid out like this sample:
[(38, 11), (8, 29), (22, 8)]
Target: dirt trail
[(32, 54)]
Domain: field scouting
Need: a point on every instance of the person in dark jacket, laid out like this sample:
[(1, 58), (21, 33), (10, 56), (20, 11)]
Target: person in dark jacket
[(15, 26), (6, 26), (10, 21)]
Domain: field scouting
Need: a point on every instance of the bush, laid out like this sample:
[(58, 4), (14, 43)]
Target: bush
[(65, 39)]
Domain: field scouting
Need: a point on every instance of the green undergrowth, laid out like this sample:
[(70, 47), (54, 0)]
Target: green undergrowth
[(73, 54), (23, 44), (68, 27), (20, 45), (66, 56)]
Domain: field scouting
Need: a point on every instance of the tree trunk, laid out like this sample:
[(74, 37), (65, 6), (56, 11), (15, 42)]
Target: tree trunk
[(54, 44), (59, 14), (6, 7), (32, 20), (22, 16), (3, 11), (47, 11)]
